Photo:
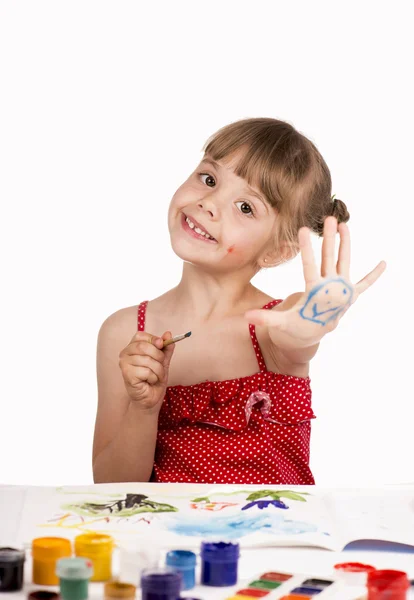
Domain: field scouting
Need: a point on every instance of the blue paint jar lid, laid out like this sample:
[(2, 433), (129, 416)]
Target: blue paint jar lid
[(183, 559), (165, 580), (220, 551)]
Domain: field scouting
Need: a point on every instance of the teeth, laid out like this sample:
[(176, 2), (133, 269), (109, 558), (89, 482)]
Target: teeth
[(198, 230)]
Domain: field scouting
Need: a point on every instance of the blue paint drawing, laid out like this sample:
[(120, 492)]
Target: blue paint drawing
[(236, 526), (326, 301)]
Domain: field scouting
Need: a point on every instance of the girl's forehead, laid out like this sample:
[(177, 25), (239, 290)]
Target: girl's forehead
[(229, 162), (223, 164)]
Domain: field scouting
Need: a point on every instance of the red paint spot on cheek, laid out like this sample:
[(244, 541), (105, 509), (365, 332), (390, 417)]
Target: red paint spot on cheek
[(230, 249)]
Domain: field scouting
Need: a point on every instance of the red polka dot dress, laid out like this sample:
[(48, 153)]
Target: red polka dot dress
[(254, 429)]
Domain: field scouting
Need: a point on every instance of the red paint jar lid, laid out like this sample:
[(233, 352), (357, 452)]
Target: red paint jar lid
[(387, 580), (354, 567)]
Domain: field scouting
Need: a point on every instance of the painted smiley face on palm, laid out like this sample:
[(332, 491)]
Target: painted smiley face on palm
[(326, 301)]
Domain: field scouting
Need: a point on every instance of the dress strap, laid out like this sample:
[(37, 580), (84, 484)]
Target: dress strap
[(141, 315), (256, 347)]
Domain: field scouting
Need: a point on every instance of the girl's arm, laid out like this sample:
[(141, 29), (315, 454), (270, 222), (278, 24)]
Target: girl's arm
[(125, 434), (297, 325)]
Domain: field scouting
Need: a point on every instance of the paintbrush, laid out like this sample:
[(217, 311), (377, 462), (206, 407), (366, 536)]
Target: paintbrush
[(177, 338)]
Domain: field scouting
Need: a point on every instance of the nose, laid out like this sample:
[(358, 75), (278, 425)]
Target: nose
[(207, 206), (212, 204)]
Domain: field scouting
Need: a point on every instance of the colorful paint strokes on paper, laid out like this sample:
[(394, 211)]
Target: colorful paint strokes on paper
[(131, 505)]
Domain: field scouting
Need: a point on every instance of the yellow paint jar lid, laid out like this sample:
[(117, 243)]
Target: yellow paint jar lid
[(117, 589), (51, 548), (93, 544)]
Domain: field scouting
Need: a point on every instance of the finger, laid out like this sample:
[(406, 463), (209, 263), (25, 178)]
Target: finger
[(144, 348), (168, 353), (344, 253), (371, 278), (146, 361), (168, 350), (330, 228), (144, 336), (140, 374), (167, 335), (310, 270)]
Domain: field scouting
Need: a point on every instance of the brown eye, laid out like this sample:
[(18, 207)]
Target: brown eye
[(246, 209), (209, 178)]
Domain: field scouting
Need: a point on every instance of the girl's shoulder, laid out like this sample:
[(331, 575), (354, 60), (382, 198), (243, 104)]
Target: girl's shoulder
[(124, 316), (121, 325)]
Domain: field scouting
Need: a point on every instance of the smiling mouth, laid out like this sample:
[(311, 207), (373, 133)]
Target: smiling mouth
[(196, 231), (317, 313)]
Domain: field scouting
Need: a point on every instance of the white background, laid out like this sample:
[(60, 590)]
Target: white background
[(104, 108)]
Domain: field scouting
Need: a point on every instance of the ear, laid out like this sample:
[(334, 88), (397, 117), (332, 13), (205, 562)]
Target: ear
[(285, 252)]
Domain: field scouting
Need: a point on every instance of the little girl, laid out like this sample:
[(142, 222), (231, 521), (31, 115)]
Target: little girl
[(232, 402)]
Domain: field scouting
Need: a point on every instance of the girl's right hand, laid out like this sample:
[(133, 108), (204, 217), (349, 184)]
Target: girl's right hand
[(144, 366)]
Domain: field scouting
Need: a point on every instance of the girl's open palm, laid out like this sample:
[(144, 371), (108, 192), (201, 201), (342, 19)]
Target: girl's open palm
[(328, 293)]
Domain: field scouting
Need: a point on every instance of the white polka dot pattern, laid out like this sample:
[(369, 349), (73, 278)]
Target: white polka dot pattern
[(210, 432)]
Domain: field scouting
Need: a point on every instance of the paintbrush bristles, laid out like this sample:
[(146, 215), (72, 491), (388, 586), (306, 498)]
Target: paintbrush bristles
[(177, 338)]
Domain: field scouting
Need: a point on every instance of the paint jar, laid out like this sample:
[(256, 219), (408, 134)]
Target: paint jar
[(74, 575), (353, 573), (116, 590), (161, 584), (46, 551), (43, 595), (11, 569), (134, 557), (185, 562), (219, 563), (387, 585), (98, 548)]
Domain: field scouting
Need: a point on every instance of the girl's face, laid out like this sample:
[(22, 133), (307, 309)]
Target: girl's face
[(214, 200)]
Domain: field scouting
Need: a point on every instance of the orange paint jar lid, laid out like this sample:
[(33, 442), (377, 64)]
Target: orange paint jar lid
[(94, 544), (51, 548), (116, 589)]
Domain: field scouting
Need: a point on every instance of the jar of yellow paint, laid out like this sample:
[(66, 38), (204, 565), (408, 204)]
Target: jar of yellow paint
[(98, 548), (45, 552)]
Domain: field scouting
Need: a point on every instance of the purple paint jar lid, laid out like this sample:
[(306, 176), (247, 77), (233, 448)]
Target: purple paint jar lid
[(163, 580), (220, 551)]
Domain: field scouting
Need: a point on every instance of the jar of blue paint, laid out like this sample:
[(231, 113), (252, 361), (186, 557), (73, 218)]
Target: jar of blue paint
[(161, 584), (219, 563), (185, 562)]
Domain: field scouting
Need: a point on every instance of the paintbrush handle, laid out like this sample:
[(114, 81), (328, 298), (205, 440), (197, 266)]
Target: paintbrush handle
[(173, 340), (168, 342)]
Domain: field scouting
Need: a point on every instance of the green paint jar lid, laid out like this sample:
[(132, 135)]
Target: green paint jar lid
[(74, 568)]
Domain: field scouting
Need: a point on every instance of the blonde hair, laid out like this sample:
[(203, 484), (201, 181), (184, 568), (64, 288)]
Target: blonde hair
[(286, 167)]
